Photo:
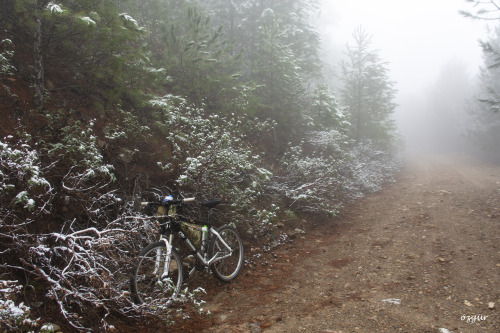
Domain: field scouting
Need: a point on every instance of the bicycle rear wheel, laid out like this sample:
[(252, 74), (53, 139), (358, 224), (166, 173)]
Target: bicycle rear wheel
[(150, 282), (229, 267)]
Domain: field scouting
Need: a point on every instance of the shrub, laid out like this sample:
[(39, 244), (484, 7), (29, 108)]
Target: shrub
[(24, 192), (373, 165), (14, 316), (314, 175), (6, 54), (210, 155)]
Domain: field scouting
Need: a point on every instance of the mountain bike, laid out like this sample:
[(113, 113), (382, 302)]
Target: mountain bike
[(158, 276)]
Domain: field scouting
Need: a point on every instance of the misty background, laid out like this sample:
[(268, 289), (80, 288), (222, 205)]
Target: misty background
[(434, 56)]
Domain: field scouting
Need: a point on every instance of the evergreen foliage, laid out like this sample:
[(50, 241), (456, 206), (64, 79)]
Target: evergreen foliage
[(483, 10), (484, 125), (6, 55), (368, 93), (325, 111), (6, 67), (81, 48)]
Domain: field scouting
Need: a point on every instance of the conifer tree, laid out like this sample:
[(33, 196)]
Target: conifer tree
[(275, 68), (367, 93), (81, 46), (243, 20), (484, 127), (192, 54), (325, 111)]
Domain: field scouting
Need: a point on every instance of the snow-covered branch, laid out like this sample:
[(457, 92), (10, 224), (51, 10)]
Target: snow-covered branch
[(88, 268)]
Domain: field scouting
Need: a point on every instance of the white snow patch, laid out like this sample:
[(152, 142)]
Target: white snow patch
[(396, 301)]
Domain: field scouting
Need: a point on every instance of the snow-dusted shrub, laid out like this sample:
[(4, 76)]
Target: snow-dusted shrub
[(78, 169), (327, 170), (125, 127), (6, 54), (314, 175), (76, 145), (14, 315), (210, 154), (373, 165), (24, 192), (25, 196), (87, 270), (84, 268)]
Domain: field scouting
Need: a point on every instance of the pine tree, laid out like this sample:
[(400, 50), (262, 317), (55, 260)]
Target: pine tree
[(483, 10), (325, 111), (485, 124), (368, 93), (275, 68), (78, 46), (194, 55), (279, 48), (242, 21)]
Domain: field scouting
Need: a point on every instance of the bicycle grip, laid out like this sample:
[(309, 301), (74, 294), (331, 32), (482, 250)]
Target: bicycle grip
[(189, 199)]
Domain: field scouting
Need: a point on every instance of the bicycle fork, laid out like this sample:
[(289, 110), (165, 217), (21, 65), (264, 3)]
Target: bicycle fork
[(166, 268)]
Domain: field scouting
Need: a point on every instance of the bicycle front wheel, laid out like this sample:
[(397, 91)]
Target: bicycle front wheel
[(155, 281), (229, 266)]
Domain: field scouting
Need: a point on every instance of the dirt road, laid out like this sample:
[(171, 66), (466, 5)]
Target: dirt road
[(422, 255)]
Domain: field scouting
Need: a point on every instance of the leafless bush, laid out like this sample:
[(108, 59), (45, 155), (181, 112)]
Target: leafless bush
[(83, 264), (87, 271)]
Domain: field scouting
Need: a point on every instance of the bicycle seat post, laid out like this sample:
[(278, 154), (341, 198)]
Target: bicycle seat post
[(208, 215), (210, 205)]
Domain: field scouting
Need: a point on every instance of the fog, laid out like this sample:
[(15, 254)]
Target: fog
[(434, 57)]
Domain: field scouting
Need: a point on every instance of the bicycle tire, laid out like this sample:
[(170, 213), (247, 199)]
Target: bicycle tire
[(146, 285), (228, 268)]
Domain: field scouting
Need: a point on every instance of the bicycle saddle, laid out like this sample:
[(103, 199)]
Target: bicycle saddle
[(211, 203)]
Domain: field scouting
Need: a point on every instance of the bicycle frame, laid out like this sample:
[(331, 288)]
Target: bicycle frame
[(199, 255)]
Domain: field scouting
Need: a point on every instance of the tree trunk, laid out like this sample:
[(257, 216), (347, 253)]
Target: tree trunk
[(39, 74)]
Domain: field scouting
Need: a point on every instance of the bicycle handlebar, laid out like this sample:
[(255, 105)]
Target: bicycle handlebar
[(169, 201)]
